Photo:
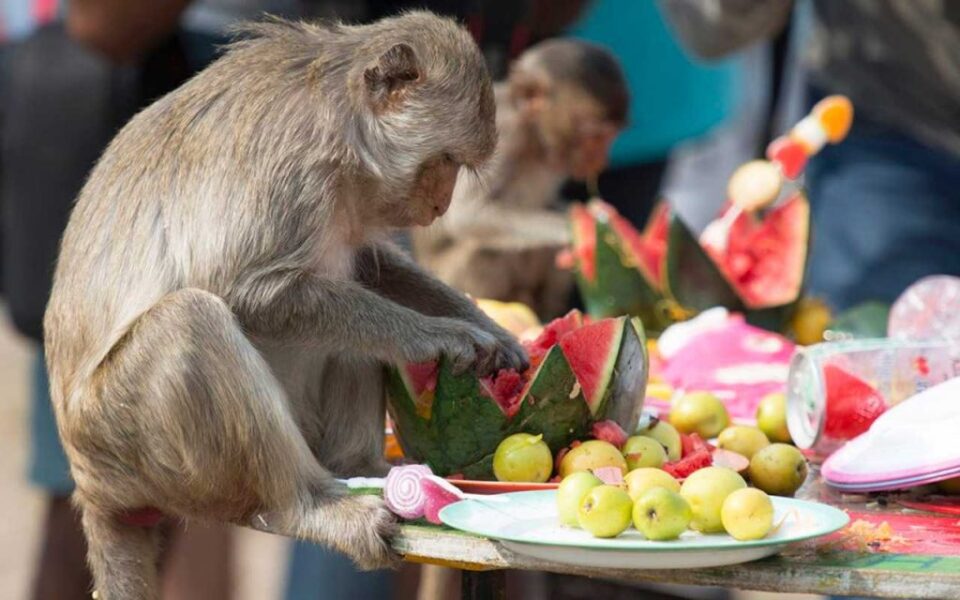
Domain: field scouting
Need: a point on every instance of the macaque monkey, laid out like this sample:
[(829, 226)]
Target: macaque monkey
[(224, 299), (558, 112)]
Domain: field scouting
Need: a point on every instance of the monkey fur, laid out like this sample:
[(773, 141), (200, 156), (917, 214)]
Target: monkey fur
[(224, 298), (557, 115)]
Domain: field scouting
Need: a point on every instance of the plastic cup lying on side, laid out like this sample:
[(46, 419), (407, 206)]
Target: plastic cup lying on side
[(836, 390)]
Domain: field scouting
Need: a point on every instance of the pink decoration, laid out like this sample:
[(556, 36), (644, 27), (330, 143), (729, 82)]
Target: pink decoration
[(736, 361)]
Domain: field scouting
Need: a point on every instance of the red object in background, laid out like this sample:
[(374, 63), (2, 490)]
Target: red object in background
[(789, 154), (852, 404)]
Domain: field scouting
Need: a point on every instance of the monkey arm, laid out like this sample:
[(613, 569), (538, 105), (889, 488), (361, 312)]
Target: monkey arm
[(385, 268), (346, 317), (393, 274), (295, 304), (498, 227)]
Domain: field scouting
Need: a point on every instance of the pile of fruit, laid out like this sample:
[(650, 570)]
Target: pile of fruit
[(582, 372), (664, 498)]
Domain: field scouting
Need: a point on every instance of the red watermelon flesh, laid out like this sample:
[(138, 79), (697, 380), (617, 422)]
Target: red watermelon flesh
[(852, 404), (610, 432), (551, 334), (421, 379), (592, 352), (647, 249), (764, 259), (506, 389), (694, 461), (584, 241)]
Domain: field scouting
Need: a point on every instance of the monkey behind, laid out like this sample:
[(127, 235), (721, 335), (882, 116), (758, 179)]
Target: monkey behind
[(224, 300)]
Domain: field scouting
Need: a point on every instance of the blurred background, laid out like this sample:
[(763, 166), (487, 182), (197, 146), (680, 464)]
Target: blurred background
[(711, 83)]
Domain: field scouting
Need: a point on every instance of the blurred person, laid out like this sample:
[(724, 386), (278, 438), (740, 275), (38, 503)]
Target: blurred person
[(74, 74), (885, 201)]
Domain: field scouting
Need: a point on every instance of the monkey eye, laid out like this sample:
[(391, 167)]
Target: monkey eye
[(450, 158)]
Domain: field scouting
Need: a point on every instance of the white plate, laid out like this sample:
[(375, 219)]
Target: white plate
[(527, 523)]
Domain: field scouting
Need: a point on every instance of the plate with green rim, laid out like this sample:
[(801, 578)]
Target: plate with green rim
[(527, 523)]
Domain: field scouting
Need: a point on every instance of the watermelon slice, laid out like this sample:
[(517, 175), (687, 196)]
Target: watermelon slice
[(852, 404), (592, 353), (551, 334), (617, 268), (648, 249), (454, 423), (765, 258)]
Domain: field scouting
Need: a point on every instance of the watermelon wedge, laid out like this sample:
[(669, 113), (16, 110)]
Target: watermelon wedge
[(592, 353), (765, 258), (551, 334), (454, 423), (618, 269)]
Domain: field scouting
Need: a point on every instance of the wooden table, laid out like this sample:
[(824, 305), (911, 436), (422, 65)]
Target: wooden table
[(921, 560)]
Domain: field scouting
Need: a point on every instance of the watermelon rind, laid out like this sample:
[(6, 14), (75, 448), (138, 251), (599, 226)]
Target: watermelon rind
[(618, 286), (628, 385), (692, 278)]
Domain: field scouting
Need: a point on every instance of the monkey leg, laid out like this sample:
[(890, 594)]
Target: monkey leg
[(185, 415), (123, 558), (348, 437)]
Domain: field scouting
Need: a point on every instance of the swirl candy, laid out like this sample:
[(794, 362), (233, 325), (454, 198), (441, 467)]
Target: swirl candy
[(403, 493)]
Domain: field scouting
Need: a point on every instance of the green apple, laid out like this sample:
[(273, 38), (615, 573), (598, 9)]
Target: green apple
[(523, 457), (772, 418), (570, 494), (605, 511), (661, 514), (641, 480), (642, 451), (701, 413), (667, 435), (742, 439), (747, 514), (591, 455), (778, 469), (705, 490)]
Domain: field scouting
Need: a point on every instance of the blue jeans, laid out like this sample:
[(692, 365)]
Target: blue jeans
[(886, 212), (48, 467), (316, 572)]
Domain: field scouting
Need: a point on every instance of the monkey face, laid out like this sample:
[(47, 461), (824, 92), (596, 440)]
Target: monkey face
[(577, 137), (431, 104), (432, 190)]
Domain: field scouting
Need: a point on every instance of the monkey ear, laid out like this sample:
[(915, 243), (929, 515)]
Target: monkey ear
[(396, 70)]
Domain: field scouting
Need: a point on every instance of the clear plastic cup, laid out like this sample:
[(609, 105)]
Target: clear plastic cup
[(836, 389)]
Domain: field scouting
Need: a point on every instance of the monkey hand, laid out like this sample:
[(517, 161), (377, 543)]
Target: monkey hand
[(511, 351), (466, 345)]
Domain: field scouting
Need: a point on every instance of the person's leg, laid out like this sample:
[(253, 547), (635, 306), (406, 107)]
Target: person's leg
[(886, 212), (317, 572), (198, 562)]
